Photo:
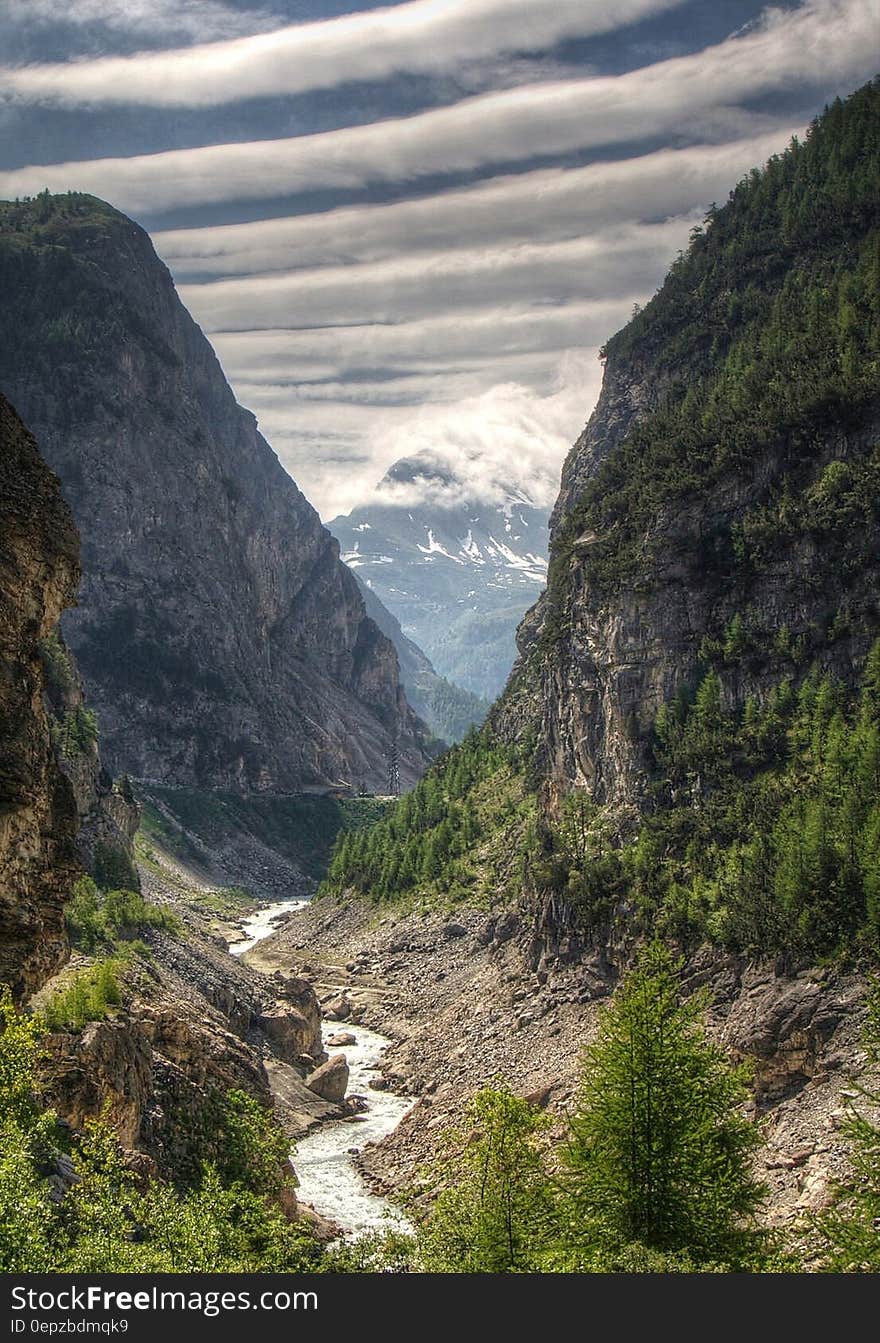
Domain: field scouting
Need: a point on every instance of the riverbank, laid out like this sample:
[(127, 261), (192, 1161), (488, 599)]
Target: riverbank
[(459, 1004), (458, 996)]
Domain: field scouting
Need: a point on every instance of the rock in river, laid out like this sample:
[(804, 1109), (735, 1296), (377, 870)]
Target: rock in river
[(341, 1039), (330, 1080)]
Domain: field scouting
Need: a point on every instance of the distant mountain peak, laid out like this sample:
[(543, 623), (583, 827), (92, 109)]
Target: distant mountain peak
[(457, 569)]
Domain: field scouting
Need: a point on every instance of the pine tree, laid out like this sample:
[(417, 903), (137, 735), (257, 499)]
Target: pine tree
[(660, 1153), (497, 1213)]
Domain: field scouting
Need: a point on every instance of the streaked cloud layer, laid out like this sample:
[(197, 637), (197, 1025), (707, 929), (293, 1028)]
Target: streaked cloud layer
[(375, 44), (420, 267)]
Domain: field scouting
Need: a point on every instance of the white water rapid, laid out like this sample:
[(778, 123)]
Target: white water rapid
[(265, 921), (328, 1179)]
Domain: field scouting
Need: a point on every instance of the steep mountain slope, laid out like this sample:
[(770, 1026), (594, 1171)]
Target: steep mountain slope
[(221, 641), (39, 568), (458, 574), (185, 1022), (720, 512), (695, 708), (447, 709)]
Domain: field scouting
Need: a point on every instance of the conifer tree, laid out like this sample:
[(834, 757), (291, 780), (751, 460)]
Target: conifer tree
[(496, 1215), (660, 1152)]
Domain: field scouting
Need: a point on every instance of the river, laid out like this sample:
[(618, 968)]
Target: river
[(328, 1179), (265, 921)]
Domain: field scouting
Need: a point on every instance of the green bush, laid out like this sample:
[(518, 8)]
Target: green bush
[(96, 920), (77, 732), (112, 868), (60, 678), (496, 1210), (87, 997), (112, 1221)]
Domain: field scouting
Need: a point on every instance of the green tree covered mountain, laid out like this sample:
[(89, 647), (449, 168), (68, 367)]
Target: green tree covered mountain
[(694, 717)]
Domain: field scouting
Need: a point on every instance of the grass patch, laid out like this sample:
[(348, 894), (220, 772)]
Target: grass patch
[(229, 902), (89, 996)]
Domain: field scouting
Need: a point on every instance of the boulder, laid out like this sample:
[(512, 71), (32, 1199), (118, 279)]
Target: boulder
[(338, 1009), (288, 1031), (506, 927), (485, 934), (330, 1080), (299, 994), (341, 1039), (452, 930), (782, 1025)]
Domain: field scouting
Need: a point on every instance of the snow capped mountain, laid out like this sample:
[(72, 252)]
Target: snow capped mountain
[(458, 574)]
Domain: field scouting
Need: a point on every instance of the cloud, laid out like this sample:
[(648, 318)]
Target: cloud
[(170, 20), (475, 439), (545, 205), (422, 36), (463, 280), (826, 43), (490, 338), (455, 385)]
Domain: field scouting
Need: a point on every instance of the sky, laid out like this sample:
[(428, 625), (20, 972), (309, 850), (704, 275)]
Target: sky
[(411, 227)]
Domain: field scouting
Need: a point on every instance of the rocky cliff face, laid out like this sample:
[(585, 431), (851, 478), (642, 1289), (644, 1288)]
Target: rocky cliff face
[(39, 567), (719, 509), (595, 689), (195, 1024), (107, 813), (221, 641)]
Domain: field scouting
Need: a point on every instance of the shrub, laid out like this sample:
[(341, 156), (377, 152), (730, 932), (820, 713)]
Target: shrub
[(87, 997), (95, 920)]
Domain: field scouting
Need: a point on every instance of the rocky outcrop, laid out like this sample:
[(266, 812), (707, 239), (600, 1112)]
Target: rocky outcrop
[(784, 1026), (330, 1081), (194, 1024), (293, 1021), (39, 568), (108, 814), (221, 641)]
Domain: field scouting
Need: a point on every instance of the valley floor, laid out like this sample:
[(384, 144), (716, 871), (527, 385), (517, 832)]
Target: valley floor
[(455, 994)]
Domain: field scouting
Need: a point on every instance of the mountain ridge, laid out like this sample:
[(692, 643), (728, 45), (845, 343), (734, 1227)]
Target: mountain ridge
[(236, 653)]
